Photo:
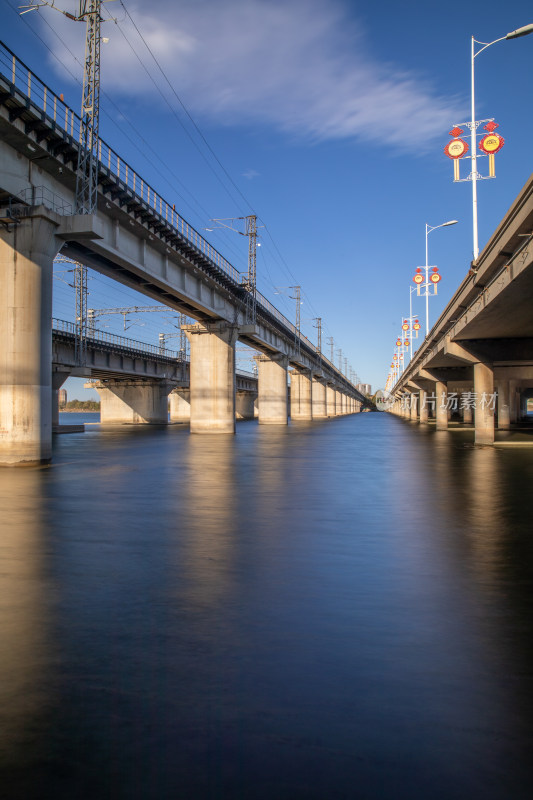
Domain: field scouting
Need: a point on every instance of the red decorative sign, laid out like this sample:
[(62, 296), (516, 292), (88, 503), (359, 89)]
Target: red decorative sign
[(435, 278), (491, 143), (418, 278), (457, 148)]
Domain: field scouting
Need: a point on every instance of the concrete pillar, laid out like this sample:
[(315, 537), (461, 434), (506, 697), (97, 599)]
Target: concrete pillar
[(338, 403), (212, 377), (484, 416), (272, 389), (467, 415), (244, 405), (441, 412), (27, 251), (180, 405), (513, 402), (133, 402), (58, 379), (504, 405), (423, 403), (330, 401), (318, 399), (301, 395), (414, 407)]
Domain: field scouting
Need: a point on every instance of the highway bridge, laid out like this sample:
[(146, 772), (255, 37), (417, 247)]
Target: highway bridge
[(481, 347)]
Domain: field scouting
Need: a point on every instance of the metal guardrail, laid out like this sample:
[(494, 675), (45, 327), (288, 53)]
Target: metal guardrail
[(59, 115), (63, 326)]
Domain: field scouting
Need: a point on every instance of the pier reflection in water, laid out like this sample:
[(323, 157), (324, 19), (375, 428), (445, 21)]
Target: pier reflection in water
[(338, 609)]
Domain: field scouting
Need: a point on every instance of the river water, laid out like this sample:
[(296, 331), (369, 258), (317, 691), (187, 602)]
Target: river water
[(328, 610)]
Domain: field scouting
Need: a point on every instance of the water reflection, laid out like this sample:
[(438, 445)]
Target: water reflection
[(26, 596), (288, 613)]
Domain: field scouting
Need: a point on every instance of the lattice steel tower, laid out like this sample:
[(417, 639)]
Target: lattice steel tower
[(87, 172)]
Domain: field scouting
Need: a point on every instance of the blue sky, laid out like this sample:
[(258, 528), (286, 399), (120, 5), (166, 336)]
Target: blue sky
[(329, 116)]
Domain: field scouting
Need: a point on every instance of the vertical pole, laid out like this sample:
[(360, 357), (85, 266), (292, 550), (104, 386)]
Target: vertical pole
[(427, 284), (251, 301), (80, 284), (473, 156)]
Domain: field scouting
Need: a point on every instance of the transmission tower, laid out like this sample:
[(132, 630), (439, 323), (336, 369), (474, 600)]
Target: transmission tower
[(318, 327), (250, 281), (87, 173), (81, 292)]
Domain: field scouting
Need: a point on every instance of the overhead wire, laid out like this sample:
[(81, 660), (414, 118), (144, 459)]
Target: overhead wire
[(275, 249)]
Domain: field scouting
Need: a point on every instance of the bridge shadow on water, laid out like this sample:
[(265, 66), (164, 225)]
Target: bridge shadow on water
[(339, 609)]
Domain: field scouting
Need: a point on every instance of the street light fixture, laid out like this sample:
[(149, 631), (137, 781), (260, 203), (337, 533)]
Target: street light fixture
[(435, 278), (473, 125)]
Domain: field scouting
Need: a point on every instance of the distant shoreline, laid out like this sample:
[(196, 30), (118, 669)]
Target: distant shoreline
[(79, 410)]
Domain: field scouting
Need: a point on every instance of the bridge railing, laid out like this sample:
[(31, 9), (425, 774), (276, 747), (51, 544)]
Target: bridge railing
[(114, 339), (54, 107)]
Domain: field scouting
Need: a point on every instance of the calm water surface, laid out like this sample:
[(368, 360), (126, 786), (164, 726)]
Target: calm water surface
[(333, 610)]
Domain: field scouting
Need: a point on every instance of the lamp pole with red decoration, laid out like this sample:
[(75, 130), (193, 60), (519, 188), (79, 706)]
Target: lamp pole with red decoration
[(434, 278)]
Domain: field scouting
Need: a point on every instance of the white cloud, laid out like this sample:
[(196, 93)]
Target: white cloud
[(298, 66), (250, 174)]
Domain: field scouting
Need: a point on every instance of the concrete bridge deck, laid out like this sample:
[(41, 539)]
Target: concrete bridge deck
[(482, 344)]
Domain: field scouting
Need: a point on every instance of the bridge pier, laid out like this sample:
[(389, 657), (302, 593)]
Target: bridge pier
[(244, 405), (414, 407), (133, 402), (301, 395), (330, 400), (484, 416), (58, 379), (180, 405), (504, 404), (272, 389), (423, 410), (27, 251), (441, 412), (318, 399), (212, 377)]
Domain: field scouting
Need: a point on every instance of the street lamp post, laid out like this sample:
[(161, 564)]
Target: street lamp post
[(473, 125), (427, 284)]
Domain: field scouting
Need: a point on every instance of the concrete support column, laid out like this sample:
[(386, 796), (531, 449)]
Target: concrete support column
[(513, 402), (338, 403), (272, 389), (58, 379), (133, 402), (301, 395), (212, 377), (423, 402), (27, 251), (180, 405), (504, 405), (467, 415), (484, 416), (318, 399), (330, 401), (441, 412), (414, 407), (244, 405)]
